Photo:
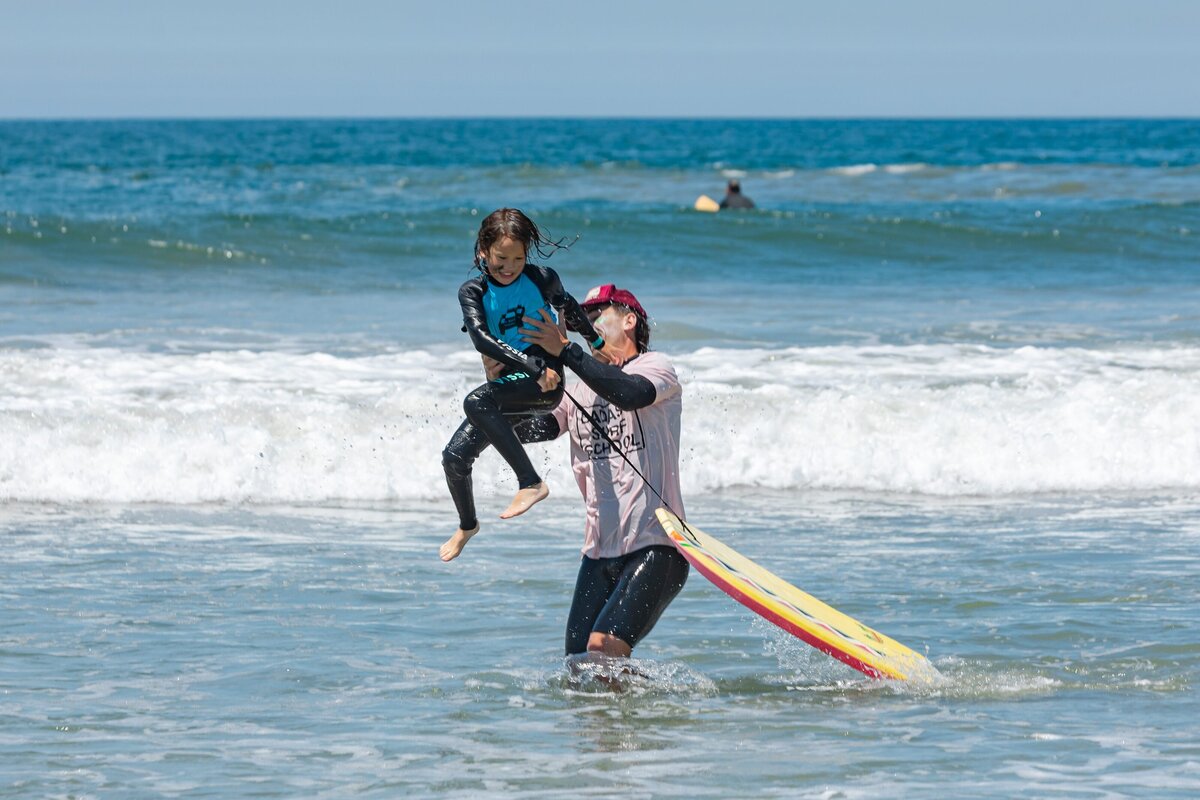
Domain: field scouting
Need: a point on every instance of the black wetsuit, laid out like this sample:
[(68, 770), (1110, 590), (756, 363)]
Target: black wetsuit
[(499, 411), (736, 200), (623, 596)]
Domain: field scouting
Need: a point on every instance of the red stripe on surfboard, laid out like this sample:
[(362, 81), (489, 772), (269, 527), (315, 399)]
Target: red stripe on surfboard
[(782, 622)]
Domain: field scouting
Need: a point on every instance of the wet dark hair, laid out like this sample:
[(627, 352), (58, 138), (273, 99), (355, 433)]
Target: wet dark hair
[(641, 333), (512, 223)]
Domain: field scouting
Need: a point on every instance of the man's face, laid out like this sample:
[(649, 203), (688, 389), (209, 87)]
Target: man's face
[(611, 321)]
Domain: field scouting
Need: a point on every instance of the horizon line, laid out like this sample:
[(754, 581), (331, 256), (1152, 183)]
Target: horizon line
[(606, 118)]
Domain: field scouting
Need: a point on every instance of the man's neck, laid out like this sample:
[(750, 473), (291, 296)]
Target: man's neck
[(622, 355)]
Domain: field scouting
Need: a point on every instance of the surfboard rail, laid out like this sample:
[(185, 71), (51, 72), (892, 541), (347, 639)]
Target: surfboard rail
[(795, 611)]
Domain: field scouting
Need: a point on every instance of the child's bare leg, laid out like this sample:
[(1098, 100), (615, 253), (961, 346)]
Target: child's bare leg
[(454, 545), (525, 500)]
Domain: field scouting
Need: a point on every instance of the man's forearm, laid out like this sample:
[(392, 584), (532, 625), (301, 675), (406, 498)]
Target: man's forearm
[(626, 392)]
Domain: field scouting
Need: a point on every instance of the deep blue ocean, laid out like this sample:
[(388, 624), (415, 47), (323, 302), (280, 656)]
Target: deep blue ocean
[(945, 377)]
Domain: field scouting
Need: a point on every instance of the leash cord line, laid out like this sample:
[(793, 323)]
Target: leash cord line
[(616, 447)]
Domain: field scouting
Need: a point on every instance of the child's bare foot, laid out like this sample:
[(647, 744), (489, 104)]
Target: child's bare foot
[(524, 500), (454, 545)]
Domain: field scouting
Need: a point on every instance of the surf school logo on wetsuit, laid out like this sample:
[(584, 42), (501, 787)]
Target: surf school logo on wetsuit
[(623, 428)]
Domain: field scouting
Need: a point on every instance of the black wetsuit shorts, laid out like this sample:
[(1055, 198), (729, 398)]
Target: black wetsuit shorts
[(624, 596)]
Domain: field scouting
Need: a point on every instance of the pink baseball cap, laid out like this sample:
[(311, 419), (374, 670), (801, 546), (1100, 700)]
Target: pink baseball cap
[(609, 293)]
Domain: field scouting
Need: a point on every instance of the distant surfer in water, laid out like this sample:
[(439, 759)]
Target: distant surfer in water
[(630, 397), (734, 198), (527, 380)]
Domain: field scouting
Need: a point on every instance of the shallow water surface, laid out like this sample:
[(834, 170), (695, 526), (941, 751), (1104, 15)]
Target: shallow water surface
[(160, 651)]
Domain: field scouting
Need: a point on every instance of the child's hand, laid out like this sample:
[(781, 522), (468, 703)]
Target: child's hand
[(548, 381), (492, 367)]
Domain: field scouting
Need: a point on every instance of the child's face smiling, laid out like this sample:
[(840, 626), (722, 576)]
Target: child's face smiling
[(505, 260)]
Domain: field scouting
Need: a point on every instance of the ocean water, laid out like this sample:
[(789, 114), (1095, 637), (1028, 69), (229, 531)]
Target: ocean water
[(946, 378)]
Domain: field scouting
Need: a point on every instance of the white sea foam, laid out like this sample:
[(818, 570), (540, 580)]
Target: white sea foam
[(854, 170), (93, 424)]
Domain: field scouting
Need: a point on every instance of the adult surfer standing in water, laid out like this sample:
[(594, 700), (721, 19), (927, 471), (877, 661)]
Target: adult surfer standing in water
[(630, 396), (630, 570)]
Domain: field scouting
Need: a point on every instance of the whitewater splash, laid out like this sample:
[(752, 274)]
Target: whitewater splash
[(81, 423)]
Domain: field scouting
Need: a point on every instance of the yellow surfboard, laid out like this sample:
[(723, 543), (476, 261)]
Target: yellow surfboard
[(797, 612), (706, 203)]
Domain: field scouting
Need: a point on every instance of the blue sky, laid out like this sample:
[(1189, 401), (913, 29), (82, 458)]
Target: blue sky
[(690, 58)]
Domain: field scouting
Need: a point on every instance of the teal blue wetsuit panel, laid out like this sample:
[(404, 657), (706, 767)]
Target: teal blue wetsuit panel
[(505, 305)]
